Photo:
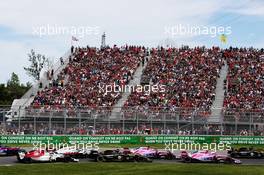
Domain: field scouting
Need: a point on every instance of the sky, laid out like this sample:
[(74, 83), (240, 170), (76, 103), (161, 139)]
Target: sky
[(47, 26)]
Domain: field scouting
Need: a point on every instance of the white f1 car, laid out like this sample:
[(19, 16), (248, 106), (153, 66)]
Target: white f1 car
[(65, 154), (44, 156), (74, 152)]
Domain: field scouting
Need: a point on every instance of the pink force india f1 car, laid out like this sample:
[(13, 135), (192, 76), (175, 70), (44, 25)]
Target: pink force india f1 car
[(9, 151), (207, 157), (153, 153)]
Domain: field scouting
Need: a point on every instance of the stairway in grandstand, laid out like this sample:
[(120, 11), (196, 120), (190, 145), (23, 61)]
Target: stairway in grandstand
[(219, 97), (28, 97), (136, 81)]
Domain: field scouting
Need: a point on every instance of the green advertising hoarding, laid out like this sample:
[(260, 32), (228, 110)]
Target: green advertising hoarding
[(28, 139), (205, 139), (131, 139)]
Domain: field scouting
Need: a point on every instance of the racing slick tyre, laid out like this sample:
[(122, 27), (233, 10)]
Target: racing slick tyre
[(257, 155), (27, 160), (215, 160), (142, 159), (125, 158), (234, 155), (67, 159), (100, 159), (22, 158), (187, 160), (139, 159), (19, 159), (228, 161), (170, 157)]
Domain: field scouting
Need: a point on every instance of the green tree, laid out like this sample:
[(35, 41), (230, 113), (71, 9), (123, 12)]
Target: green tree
[(38, 62), (3, 95), (14, 81), (12, 90)]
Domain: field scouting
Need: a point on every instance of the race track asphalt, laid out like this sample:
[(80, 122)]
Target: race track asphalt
[(12, 160)]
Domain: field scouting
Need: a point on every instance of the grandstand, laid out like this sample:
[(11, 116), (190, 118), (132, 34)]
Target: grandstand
[(207, 91)]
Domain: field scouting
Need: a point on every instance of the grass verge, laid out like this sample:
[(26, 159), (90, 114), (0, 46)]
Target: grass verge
[(130, 169)]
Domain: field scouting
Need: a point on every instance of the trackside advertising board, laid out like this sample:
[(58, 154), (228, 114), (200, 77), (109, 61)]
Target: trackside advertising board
[(131, 139)]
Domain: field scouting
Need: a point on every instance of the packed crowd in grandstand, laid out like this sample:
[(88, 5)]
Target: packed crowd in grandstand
[(88, 69), (189, 75), (245, 79)]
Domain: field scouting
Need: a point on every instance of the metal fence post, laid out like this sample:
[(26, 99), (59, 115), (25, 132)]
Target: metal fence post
[(178, 122), (35, 132), (250, 123), (79, 116), (109, 127), (137, 122), (4, 123), (151, 127), (249, 127), (65, 125), (19, 124), (94, 122), (50, 122), (221, 126), (164, 122), (123, 130), (192, 120), (236, 126)]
